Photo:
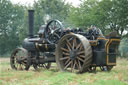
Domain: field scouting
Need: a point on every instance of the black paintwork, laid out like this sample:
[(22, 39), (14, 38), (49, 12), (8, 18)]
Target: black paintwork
[(31, 23), (41, 44)]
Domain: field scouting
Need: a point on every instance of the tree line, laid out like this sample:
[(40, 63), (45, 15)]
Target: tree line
[(108, 15)]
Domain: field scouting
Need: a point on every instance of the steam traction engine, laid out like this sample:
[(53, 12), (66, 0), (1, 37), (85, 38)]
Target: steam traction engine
[(72, 49)]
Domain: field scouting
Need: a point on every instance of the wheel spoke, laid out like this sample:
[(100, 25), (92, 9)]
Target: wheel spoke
[(68, 43), (67, 65), (80, 44), (74, 43), (67, 61), (64, 49), (73, 46), (81, 52), (74, 65), (17, 65), (79, 64), (80, 59), (82, 56), (20, 67), (81, 47), (66, 53), (68, 47), (64, 58)]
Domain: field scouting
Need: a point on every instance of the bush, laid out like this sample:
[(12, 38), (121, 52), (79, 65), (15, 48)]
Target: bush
[(123, 48)]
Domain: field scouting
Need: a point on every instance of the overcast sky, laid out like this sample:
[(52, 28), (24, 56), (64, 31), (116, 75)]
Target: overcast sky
[(26, 2)]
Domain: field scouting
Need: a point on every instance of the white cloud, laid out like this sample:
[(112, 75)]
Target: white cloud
[(23, 2), (74, 2), (30, 2)]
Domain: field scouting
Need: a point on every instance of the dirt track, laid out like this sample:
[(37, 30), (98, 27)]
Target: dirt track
[(4, 59)]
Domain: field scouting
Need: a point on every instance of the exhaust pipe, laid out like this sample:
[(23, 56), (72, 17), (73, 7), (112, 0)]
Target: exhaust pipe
[(31, 23)]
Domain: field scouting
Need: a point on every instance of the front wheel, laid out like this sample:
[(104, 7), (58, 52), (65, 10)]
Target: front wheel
[(18, 59)]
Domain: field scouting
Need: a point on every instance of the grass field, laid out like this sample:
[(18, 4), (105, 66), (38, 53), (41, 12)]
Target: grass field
[(118, 76)]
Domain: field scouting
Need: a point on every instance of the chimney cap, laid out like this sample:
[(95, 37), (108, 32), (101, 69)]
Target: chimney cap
[(31, 10)]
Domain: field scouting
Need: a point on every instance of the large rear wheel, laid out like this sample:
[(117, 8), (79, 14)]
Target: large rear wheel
[(73, 53)]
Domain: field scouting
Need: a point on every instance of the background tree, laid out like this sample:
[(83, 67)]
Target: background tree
[(108, 15), (11, 19), (85, 15), (119, 16), (123, 48), (52, 9)]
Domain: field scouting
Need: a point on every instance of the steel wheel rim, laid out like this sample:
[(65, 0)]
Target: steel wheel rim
[(71, 59), (16, 63), (64, 54)]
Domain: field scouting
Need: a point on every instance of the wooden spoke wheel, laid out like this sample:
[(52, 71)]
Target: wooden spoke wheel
[(73, 53), (18, 59), (106, 68), (39, 66)]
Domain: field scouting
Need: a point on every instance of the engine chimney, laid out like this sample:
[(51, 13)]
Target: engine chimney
[(31, 23)]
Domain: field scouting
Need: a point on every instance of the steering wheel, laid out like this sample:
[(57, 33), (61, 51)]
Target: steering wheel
[(53, 31)]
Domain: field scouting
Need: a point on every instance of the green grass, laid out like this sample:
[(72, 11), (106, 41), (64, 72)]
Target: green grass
[(118, 76)]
